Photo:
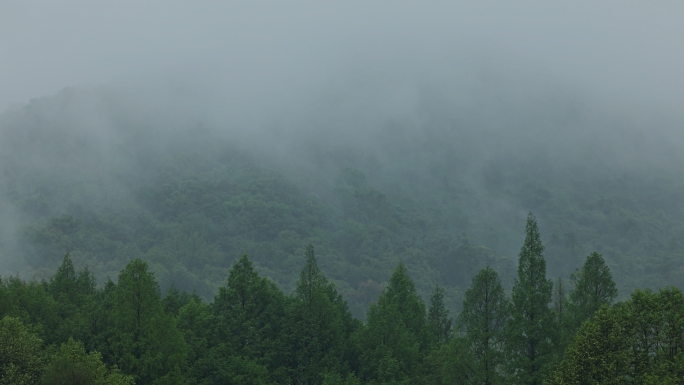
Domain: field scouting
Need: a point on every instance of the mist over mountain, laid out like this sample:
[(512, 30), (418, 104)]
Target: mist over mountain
[(442, 186), (377, 132), (384, 192)]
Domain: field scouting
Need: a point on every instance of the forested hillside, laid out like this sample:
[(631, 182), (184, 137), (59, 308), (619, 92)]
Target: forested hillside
[(341, 193), (90, 173), (66, 330)]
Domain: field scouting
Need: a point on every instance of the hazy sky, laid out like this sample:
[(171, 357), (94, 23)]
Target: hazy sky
[(271, 51)]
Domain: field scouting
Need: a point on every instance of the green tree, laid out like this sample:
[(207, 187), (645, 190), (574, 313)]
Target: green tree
[(6, 304), (172, 301), (220, 366), (402, 293), (655, 343), (338, 379), (249, 313), (594, 287), (482, 321), (670, 360), (563, 321), (395, 340), (320, 322), (72, 287), (529, 332), (101, 322), (452, 363), (146, 342), (597, 355), (72, 366), (21, 356), (636, 342), (33, 305), (198, 325), (63, 283), (438, 320), (74, 295)]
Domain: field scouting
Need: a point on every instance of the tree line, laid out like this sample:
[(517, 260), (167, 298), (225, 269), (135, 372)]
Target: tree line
[(67, 330)]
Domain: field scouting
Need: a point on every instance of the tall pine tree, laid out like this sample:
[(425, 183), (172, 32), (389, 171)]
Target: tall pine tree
[(529, 331)]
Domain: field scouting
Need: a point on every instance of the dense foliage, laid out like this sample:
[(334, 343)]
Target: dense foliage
[(92, 173), (153, 213), (66, 330)]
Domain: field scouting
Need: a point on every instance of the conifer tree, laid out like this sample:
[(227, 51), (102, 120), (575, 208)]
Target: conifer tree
[(394, 341), (101, 322), (30, 302), (402, 293), (562, 319), (172, 301), (594, 287), (145, 342), (249, 312), (560, 302), (438, 319), (74, 295), (482, 321), (63, 283), (198, 324), (529, 331), (319, 318)]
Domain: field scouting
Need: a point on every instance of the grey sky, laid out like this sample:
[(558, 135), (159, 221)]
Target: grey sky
[(616, 50)]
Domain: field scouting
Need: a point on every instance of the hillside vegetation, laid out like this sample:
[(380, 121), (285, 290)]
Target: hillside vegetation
[(91, 173), (66, 330)]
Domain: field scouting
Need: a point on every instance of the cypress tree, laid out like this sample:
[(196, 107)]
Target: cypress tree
[(529, 331)]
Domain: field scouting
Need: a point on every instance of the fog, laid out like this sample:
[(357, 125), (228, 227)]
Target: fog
[(265, 51), (338, 68), (405, 92)]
